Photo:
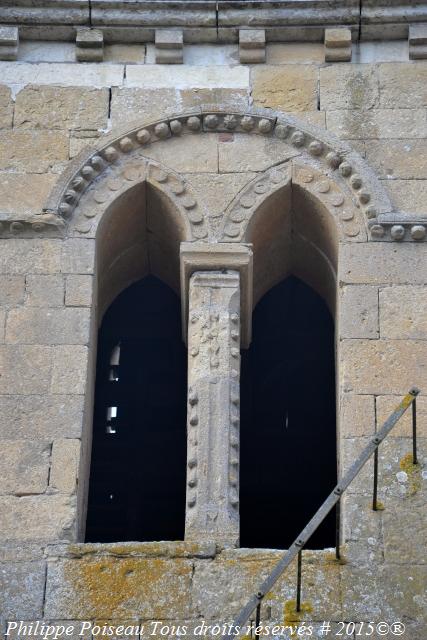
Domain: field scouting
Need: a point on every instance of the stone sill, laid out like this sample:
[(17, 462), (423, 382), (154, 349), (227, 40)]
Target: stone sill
[(133, 549)]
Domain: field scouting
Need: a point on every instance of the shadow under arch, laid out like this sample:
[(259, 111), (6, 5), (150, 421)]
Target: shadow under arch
[(288, 386), (137, 310)]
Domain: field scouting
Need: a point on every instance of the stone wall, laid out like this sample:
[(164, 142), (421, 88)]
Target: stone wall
[(51, 109)]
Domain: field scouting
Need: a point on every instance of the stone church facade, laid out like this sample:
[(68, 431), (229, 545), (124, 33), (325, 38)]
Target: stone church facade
[(220, 147)]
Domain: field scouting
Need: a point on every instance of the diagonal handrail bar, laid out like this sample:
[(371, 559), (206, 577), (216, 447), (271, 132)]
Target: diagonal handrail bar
[(322, 512)]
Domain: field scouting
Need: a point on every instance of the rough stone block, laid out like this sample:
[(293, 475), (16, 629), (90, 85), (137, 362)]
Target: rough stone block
[(31, 518), (351, 448), (9, 43), (240, 153), (358, 316), (187, 77), (6, 107), (25, 369), (78, 256), (24, 193), (385, 405), (227, 584), (337, 45), (65, 465), (361, 531), (403, 85), (412, 521), (178, 154), (29, 256), (32, 151), (25, 467), (119, 588), (349, 86), (69, 370), (409, 195), (387, 592), (383, 263), (357, 415), (70, 108), (393, 159), (41, 417), (169, 56), (383, 366), (44, 291), (12, 289), (22, 589), (61, 74), (377, 123), (403, 312), (48, 326), (79, 291), (285, 87), (89, 45), (2, 324)]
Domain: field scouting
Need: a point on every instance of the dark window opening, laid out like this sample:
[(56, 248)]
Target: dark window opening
[(138, 465), (288, 423)]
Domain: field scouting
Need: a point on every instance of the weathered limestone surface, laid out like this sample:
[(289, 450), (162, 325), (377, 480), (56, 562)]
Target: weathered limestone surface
[(25, 369), (39, 107), (250, 154), (295, 53), (403, 85), (69, 369), (6, 107), (288, 88), (44, 291), (404, 159), (25, 467), (114, 588), (349, 86), (383, 366), (62, 75), (12, 290), (357, 415), (178, 154), (32, 151), (358, 316), (213, 401), (44, 518), (22, 589), (40, 417), (79, 291), (48, 326), (24, 193), (77, 256), (403, 312), (383, 263), (386, 404), (65, 465), (409, 195), (377, 123)]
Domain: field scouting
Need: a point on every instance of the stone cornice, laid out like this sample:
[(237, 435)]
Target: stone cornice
[(212, 21)]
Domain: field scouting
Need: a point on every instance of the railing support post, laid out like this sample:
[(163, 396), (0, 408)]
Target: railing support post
[(258, 618), (374, 500), (414, 432), (337, 530), (298, 608)]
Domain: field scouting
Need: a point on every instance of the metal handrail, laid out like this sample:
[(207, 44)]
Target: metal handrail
[(332, 500)]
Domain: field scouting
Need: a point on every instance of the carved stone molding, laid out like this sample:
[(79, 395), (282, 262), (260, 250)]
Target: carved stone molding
[(213, 257), (213, 407), (93, 178)]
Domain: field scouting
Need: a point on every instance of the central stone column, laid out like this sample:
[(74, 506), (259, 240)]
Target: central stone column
[(213, 407)]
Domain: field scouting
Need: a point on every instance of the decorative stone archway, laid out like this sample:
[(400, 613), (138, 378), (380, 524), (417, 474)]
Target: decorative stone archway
[(322, 196)]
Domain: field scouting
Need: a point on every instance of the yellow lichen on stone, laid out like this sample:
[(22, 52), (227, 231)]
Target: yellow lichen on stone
[(108, 587), (291, 615), (413, 472)]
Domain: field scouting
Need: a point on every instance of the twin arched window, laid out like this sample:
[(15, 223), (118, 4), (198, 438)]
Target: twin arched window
[(288, 436)]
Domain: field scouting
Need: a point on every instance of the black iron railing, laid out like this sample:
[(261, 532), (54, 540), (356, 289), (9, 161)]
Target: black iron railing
[(334, 499)]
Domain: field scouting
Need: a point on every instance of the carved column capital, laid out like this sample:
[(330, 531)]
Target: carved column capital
[(198, 256)]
